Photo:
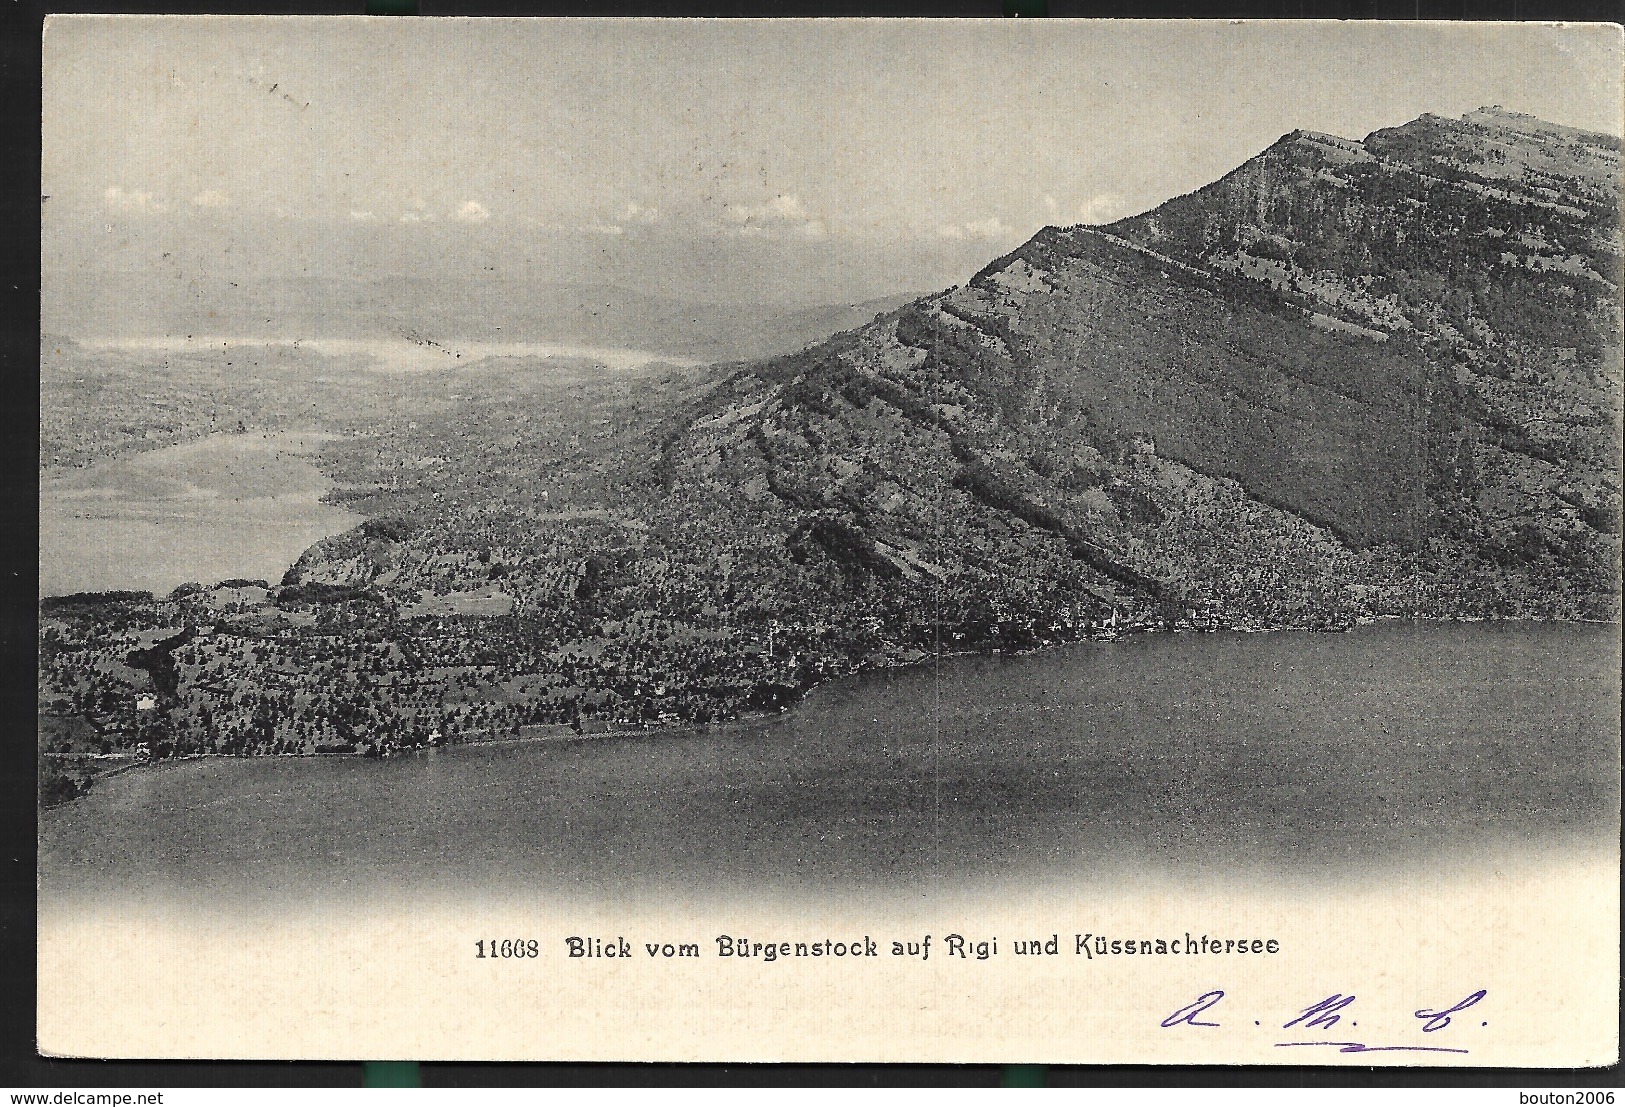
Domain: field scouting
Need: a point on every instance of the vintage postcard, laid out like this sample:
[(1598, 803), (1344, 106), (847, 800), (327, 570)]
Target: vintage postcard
[(1011, 541)]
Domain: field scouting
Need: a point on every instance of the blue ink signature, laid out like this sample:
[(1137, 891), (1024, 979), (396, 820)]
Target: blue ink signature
[(1186, 1015), (1326, 1014), (1438, 1020), (1361, 1047)]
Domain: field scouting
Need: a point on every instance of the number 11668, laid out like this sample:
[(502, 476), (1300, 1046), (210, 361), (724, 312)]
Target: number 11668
[(507, 947)]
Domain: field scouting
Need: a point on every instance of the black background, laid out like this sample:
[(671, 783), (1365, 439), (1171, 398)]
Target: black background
[(22, 1067)]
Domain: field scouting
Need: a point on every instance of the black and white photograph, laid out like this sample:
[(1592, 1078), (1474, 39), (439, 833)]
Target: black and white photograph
[(844, 540)]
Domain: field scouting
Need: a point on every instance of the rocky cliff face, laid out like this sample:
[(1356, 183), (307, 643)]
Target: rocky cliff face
[(1348, 379), (1488, 245)]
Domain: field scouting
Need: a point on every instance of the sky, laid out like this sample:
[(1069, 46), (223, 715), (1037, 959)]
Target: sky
[(794, 162)]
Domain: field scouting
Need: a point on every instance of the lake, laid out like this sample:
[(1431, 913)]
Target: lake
[(1306, 757), (225, 506)]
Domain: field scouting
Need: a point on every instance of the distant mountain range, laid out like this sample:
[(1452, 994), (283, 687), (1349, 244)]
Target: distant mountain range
[(1349, 379), (105, 305)]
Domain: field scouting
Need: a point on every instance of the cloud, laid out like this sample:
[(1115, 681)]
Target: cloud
[(990, 228), (472, 212), (417, 211), (783, 214), (212, 198), (633, 213), (788, 208), (134, 200), (1100, 209)]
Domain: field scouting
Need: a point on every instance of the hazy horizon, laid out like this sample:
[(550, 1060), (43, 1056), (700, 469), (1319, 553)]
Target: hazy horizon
[(290, 169)]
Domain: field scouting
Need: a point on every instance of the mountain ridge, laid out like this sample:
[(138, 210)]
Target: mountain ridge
[(1300, 360), (1330, 387)]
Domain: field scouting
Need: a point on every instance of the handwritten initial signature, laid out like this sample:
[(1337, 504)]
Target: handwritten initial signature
[(1326, 1014)]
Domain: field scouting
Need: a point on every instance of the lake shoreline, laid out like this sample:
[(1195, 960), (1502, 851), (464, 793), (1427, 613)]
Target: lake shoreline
[(226, 505), (1322, 752), (670, 730)]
